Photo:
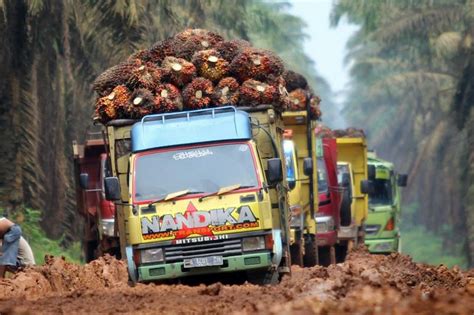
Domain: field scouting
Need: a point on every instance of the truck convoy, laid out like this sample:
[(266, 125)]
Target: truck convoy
[(381, 230), (201, 192)]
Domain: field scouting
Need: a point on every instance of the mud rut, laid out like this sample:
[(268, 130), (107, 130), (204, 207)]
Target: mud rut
[(364, 284)]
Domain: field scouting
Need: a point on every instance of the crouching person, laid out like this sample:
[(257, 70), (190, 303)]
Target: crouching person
[(10, 234)]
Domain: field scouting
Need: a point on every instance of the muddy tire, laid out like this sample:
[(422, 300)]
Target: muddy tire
[(324, 255), (310, 257), (263, 278), (346, 216), (90, 250), (296, 252), (341, 252)]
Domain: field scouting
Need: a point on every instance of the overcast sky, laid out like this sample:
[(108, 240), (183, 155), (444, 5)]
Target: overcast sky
[(326, 45)]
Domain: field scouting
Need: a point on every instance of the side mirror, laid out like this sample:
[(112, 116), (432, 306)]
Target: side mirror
[(346, 180), (84, 180), (274, 172), (371, 172), (366, 186), (112, 188), (291, 184), (308, 166), (402, 180)]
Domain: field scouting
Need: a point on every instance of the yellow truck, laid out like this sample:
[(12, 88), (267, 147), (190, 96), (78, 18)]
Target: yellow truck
[(352, 176), (300, 150), (201, 192)]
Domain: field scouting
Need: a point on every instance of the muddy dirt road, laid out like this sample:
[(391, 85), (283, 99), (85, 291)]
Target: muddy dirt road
[(364, 284)]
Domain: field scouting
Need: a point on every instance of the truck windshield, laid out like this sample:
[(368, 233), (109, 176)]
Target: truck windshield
[(198, 169), (290, 162), (322, 176), (382, 193)]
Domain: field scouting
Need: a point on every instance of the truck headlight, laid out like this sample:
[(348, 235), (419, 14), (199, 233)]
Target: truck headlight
[(253, 243), (151, 255), (108, 227), (324, 224)]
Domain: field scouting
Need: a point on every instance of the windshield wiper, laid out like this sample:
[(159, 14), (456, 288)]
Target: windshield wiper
[(174, 195), (224, 190)]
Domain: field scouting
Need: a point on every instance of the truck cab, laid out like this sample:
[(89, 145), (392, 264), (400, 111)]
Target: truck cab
[(201, 192), (352, 176), (382, 235)]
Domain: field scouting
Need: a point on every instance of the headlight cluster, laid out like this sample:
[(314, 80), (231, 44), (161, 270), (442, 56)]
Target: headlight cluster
[(151, 255), (324, 224), (253, 243), (108, 226)]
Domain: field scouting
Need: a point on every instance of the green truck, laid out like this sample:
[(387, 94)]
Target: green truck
[(382, 235)]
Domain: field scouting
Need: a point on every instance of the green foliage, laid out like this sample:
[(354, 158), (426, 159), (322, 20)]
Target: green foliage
[(42, 245), (428, 247)]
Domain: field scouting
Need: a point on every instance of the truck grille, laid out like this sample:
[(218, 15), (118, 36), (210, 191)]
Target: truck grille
[(372, 229), (223, 248)]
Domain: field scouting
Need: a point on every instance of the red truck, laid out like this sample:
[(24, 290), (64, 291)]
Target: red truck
[(328, 214), (90, 167)]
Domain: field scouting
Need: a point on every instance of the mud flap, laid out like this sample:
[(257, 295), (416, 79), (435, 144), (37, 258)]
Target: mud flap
[(277, 248), (132, 268)]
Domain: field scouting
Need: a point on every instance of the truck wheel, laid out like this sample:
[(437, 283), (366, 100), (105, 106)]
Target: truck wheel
[(324, 254), (296, 252), (310, 257), (346, 216), (341, 252), (90, 248), (263, 278)]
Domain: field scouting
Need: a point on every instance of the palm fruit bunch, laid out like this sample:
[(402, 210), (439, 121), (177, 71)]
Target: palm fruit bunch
[(114, 105), (114, 76), (141, 103), (298, 99), (181, 71), (315, 109), (229, 49), (146, 75), (256, 64), (168, 98), (226, 92), (191, 41), (210, 65), (253, 93), (324, 131), (294, 81), (160, 50), (198, 94), (350, 132)]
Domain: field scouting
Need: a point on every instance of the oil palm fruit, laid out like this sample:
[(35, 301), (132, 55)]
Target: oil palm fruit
[(116, 75), (191, 41), (141, 103), (210, 65), (257, 64), (253, 93), (297, 100), (180, 70), (229, 49), (168, 99), (147, 76), (160, 50), (113, 105), (226, 92), (198, 94), (294, 80)]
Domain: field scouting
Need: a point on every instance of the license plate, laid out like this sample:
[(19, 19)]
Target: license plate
[(203, 262)]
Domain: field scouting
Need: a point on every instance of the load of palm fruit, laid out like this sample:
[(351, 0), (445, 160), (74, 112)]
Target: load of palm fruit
[(350, 132), (323, 131), (198, 69)]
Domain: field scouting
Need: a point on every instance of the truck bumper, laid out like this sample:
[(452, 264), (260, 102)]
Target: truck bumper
[(231, 264), (382, 246), (326, 239)]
